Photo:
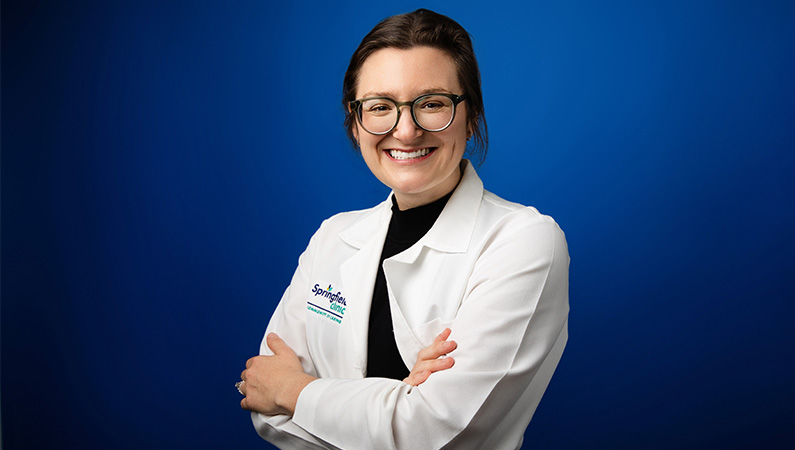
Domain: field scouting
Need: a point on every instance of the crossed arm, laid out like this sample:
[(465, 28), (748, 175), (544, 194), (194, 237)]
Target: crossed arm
[(512, 327), (272, 384)]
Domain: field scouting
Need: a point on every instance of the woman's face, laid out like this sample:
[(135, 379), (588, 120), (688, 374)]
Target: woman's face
[(404, 75)]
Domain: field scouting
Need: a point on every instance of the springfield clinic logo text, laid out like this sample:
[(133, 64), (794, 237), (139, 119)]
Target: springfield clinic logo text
[(336, 303)]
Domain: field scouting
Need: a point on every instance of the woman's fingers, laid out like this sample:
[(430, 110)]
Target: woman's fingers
[(423, 369), (278, 346), (443, 335), (435, 365), (432, 359), (271, 384), (417, 378), (439, 347)]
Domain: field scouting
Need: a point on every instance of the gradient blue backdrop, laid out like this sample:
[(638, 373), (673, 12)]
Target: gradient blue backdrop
[(164, 163)]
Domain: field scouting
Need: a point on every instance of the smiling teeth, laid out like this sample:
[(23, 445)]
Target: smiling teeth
[(409, 155)]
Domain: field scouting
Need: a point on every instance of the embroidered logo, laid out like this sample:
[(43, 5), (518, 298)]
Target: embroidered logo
[(335, 309)]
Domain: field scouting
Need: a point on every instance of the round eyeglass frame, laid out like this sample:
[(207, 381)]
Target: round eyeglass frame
[(356, 107)]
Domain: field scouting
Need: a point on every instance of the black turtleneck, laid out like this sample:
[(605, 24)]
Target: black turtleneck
[(405, 229)]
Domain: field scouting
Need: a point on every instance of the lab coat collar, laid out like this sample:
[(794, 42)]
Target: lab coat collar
[(453, 229), (450, 233), (361, 231)]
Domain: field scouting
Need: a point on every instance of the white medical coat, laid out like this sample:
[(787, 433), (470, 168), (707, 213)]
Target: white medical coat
[(493, 271)]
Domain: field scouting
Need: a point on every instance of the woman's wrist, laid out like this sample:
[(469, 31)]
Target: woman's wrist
[(288, 397)]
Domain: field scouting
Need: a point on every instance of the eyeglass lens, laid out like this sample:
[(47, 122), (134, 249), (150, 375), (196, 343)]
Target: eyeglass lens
[(431, 112)]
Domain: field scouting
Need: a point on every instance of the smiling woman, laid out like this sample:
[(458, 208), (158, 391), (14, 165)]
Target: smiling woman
[(442, 267), (420, 166)]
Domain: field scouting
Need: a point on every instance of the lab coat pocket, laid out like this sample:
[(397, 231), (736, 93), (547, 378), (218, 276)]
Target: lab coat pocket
[(427, 332)]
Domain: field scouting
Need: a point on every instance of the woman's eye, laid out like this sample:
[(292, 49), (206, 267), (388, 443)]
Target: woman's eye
[(379, 108), (431, 105)]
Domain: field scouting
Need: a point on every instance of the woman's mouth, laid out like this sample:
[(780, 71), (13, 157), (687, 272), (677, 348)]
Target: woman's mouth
[(406, 155)]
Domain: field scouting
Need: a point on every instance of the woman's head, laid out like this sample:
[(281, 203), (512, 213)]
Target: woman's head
[(424, 28)]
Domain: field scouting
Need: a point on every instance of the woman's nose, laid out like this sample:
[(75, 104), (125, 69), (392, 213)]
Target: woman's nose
[(406, 130)]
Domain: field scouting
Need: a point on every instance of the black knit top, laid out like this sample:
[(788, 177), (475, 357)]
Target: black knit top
[(405, 229)]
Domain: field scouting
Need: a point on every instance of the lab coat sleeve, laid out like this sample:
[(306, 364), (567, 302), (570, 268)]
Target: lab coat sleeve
[(288, 321), (511, 329)]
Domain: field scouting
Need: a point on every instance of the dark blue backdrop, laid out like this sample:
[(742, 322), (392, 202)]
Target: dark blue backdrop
[(164, 164)]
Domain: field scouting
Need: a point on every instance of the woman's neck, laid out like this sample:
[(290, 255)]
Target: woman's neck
[(413, 200)]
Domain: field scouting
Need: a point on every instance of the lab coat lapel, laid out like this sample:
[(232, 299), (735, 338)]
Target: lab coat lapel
[(410, 273), (358, 276), (452, 231)]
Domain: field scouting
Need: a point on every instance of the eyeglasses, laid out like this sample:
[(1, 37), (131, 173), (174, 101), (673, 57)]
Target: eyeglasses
[(431, 112)]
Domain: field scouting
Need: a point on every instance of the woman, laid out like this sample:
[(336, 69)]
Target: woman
[(386, 289)]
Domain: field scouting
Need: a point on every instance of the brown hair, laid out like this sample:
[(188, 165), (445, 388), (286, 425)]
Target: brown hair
[(425, 28)]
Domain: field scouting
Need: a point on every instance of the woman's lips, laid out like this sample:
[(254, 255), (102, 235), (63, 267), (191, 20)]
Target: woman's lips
[(408, 155)]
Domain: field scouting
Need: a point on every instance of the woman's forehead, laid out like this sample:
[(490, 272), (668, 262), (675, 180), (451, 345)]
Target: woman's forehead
[(406, 74)]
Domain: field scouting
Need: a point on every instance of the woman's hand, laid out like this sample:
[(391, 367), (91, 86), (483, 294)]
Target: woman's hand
[(432, 358), (272, 383)]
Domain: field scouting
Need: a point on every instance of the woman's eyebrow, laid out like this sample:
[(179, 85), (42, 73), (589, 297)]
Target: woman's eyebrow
[(376, 94), (432, 90)]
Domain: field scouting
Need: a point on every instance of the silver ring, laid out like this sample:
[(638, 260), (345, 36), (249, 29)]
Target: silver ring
[(238, 385)]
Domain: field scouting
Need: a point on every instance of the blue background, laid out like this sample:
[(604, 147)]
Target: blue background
[(164, 164)]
